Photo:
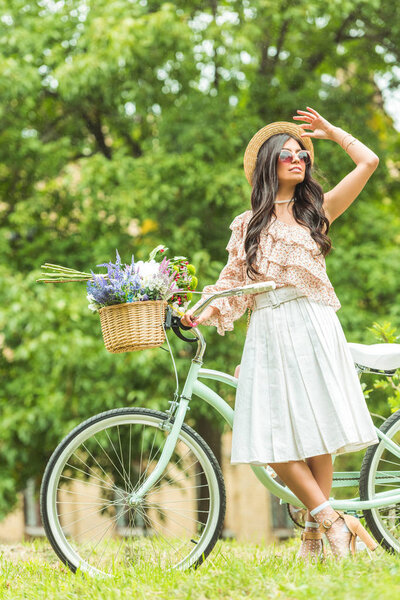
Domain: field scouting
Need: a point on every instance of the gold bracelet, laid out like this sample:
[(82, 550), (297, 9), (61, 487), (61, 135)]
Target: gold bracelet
[(350, 143), (344, 137)]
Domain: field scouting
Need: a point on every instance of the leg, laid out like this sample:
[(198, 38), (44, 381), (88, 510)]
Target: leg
[(298, 476), (339, 537), (322, 469)]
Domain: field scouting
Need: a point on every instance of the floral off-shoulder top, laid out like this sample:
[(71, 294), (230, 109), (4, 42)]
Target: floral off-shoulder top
[(287, 254)]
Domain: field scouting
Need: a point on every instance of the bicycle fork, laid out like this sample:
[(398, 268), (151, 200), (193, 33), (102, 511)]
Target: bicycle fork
[(178, 410)]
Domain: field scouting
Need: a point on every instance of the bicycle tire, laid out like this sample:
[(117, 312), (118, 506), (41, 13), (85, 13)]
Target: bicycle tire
[(48, 492), (369, 467)]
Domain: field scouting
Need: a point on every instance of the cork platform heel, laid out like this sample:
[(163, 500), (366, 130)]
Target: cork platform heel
[(356, 529), (342, 542)]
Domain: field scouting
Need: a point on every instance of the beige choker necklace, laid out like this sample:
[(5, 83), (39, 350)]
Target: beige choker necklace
[(281, 201)]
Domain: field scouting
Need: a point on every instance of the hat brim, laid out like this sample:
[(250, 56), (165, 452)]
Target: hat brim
[(251, 152)]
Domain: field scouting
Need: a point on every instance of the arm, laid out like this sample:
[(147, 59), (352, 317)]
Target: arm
[(339, 198), (229, 309)]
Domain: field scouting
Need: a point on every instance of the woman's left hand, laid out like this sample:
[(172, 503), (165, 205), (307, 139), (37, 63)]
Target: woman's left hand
[(321, 128)]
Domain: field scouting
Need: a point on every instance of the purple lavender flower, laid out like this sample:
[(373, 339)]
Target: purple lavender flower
[(120, 285), (131, 282)]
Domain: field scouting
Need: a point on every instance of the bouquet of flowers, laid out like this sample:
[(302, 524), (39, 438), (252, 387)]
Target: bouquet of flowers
[(172, 280), (131, 298)]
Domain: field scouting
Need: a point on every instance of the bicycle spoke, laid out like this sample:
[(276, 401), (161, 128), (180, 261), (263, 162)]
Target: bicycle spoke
[(99, 519), (391, 462), (192, 487), (130, 452), (128, 486), (95, 474), (178, 501), (107, 455), (382, 484), (84, 472), (98, 542), (90, 504), (179, 514), (160, 535), (159, 486), (149, 460), (98, 464), (123, 475), (113, 519), (86, 482)]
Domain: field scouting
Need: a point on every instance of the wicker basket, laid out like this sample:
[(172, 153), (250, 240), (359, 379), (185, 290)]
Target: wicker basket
[(133, 325)]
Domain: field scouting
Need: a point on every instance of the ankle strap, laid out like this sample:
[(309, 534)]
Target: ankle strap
[(327, 523), (311, 535)]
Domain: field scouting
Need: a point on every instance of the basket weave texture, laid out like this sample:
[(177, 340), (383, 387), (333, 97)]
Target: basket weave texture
[(133, 325)]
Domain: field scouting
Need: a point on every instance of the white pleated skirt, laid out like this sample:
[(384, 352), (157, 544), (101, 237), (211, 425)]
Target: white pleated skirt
[(298, 392)]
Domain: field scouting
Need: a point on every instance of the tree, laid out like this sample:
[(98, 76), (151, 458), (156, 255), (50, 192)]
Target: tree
[(124, 126)]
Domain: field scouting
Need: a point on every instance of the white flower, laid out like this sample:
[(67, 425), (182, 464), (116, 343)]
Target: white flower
[(147, 270), (94, 306)]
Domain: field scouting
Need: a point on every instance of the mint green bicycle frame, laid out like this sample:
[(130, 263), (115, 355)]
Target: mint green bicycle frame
[(193, 385)]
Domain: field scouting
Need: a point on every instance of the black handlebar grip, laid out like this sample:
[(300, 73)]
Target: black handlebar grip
[(177, 325)]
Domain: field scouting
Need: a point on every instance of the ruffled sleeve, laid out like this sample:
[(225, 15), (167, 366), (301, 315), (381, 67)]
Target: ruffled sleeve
[(232, 275)]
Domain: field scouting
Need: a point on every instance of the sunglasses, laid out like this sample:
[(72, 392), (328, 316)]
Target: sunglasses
[(286, 156)]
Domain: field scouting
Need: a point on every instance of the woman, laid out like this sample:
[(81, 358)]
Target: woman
[(298, 399)]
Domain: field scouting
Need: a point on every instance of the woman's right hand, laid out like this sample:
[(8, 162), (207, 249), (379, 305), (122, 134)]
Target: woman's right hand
[(190, 321)]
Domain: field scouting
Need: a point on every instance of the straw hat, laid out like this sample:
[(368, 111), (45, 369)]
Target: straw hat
[(250, 155)]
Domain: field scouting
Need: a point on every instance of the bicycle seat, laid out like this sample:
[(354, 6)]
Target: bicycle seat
[(376, 356)]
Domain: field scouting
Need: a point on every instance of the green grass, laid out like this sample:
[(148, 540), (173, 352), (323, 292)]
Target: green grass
[(232, 571)]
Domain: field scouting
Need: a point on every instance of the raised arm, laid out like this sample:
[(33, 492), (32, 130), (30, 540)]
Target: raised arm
[(339, 198)]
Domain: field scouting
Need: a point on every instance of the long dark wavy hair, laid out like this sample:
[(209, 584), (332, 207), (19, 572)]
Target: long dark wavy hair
[(307, 206)]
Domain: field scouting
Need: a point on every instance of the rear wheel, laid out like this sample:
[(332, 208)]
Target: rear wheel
[(88, 481), (380, 472)]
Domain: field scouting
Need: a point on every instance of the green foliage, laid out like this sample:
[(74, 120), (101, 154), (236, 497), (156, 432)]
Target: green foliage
[(56, 373), (123, 125), (387, 386)]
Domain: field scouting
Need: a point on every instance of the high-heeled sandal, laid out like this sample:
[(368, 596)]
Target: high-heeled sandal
[(355, 529), (313, 535), (298, 515)]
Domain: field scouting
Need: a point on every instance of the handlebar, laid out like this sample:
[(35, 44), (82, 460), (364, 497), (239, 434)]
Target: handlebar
[(253, 288)]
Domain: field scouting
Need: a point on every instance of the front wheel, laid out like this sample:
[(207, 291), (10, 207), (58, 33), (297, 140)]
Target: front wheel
[(380, 473), (88, 481)]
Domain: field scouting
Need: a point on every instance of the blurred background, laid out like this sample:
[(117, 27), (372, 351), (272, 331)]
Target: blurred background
[(123, 125)]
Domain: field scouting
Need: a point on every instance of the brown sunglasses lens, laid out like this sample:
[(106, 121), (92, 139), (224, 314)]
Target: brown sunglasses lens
[(286, 156)]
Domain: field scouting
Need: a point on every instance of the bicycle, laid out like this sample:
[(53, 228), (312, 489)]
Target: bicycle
[(134, 485)]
